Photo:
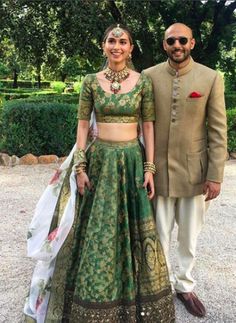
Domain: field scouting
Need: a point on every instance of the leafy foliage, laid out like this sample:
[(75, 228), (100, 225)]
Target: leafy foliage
[(70, 98), (77, 86), (230, 100), (212, 23), (231, 122), (58, 86), (24, 84), (64, 37), (39, 128)]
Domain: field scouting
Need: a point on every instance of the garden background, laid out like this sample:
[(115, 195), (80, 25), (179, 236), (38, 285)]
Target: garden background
[(48, 46)]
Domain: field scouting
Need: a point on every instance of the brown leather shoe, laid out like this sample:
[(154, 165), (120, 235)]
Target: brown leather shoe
[(192, 304)]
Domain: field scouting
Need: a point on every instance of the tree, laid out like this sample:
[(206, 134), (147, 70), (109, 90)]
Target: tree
[(81, 25), (55, 33), (32, 30), (11, 59)]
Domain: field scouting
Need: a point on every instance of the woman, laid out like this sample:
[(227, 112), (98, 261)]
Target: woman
[(109, 265)]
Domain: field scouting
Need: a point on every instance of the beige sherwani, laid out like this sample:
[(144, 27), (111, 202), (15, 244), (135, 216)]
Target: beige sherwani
[(190, 148), (187, 152)]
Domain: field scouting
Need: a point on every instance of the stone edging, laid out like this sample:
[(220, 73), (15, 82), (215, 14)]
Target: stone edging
[(29, 159)]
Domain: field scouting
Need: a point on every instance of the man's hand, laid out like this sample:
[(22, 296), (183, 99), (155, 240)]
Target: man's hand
[(211, 190)]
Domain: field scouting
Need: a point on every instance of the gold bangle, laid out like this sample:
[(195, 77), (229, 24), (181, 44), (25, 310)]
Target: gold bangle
[(79, 156), (79, 170), (149, 167)]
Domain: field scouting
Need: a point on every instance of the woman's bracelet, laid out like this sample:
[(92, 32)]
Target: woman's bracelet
[(81, 168), (80, 161), (79, 156), (149, 167)]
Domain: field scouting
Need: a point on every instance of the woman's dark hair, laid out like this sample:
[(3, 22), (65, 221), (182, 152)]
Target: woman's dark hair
[(111, 27)]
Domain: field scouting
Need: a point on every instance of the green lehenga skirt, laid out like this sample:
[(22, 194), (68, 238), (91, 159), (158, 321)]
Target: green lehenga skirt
[(111, 268)]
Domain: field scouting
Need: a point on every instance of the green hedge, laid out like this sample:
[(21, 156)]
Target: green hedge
[(230, 100), (38, 128), (231, 122), (61, 98), (1, 130), (18, 90), (43, 97), (16, 96), (50, 127), (58, 86), (25, 84)]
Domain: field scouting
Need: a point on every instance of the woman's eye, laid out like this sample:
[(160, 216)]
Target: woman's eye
[(123, 42)]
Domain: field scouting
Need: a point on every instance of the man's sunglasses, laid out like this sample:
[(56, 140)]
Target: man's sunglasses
[(182, 40)]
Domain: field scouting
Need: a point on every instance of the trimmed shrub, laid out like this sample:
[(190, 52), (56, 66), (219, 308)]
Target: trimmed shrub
[(41, 96), (2, 139), (39, 128), (58, 86), (77, 86), (230, 100), (25, 84), (19, 90), (71, 98), (231, 122), (61, 98), (15, 96)]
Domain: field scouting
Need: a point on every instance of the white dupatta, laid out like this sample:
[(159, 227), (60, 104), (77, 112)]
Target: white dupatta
[(43, 246)]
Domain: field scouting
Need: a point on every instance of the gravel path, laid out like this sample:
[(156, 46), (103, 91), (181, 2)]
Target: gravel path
[(215, 270)]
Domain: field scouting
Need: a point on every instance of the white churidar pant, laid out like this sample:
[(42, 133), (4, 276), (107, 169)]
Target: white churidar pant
[(189, 214)]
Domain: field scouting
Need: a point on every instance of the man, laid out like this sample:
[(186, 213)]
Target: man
[(190, 136)]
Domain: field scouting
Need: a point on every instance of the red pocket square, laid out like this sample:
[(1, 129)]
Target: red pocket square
[(195, 95)]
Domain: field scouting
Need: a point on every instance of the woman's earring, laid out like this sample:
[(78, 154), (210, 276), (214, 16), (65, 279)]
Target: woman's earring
[(104, 54), (130, 57)]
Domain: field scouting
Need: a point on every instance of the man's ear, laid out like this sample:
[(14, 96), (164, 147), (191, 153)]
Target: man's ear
[(164, 44), (192, 43)]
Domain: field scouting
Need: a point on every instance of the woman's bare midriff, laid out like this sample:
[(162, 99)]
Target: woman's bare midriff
[(117, 131)]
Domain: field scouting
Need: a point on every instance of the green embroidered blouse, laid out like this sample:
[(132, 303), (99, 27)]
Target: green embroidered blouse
[(118, 108)]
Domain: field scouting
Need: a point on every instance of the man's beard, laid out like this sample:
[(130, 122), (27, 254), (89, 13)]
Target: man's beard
[(186, 54)]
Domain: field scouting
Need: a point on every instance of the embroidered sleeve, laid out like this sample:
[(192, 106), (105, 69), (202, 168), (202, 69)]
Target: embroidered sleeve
[(85, 99), (147, 107)]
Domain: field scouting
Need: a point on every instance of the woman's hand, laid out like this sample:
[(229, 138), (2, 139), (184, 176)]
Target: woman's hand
[(149, 184), (82, 181)]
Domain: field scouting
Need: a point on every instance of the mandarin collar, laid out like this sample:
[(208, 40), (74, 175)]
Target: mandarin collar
[(181, 71)]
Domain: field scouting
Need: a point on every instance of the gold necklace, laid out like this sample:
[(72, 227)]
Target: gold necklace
[(116, 78)]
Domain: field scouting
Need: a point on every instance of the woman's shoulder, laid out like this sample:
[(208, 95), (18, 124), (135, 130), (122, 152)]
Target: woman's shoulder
[(89, 77), (146, 78), (88, 81)]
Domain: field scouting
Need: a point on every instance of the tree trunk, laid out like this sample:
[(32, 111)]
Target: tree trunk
[(39, 76), (63, 77), (15, 77)]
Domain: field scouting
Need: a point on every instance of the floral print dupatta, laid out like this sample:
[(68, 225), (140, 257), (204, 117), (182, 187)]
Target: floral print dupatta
[(44, 245), (48, 231)]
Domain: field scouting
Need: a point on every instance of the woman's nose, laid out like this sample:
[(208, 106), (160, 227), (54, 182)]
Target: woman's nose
[(117, 45)]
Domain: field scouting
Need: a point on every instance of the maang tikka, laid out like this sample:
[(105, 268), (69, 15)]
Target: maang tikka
[(117, 31)]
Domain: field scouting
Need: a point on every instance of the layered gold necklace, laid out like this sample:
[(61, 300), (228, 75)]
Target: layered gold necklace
[(116, 78)]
